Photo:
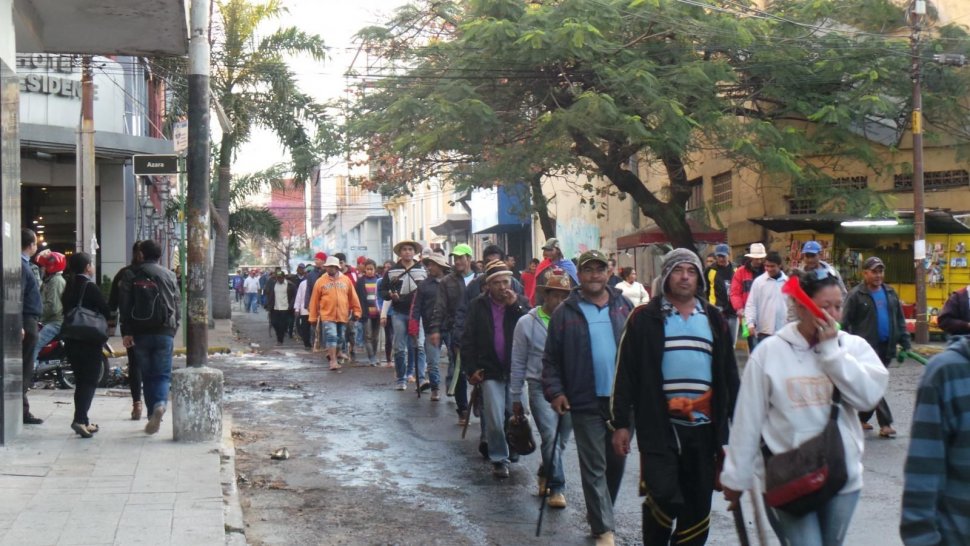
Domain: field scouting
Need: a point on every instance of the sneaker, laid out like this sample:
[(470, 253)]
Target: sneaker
[(500, 470), (557, 500), (424, 386), (434, 395), (401, 387), (462, 418), (606, 539), (155, 421), (29, 419)]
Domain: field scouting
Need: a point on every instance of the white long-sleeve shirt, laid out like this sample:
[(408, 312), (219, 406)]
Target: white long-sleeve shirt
[(299, 306), (786, 397), (635, 292), (767, 307)]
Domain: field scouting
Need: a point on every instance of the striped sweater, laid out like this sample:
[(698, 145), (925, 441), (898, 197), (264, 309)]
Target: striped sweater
[(936, 496)]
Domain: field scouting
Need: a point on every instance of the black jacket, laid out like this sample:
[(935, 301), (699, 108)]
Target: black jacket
[(718, 288), (567, 363), (639, 382), (83, 289), (404, 281), (168, 290), (270, 292), (859, 318), (31, 291), (424, 302), (478, 342), (449, 304), (955, 317)]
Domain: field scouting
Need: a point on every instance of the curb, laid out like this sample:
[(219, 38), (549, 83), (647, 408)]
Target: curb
[(232, 510), (180, 351)]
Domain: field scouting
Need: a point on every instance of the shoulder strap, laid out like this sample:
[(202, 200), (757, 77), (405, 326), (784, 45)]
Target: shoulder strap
[(81, 293)]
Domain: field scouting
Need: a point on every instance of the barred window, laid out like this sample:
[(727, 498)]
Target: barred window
[(802, 206), (722, 196), (933, 180), (850, 183), (696, 199)]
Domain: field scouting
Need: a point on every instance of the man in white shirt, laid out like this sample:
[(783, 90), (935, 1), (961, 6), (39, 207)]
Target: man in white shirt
[(251, 287), (766, 311)]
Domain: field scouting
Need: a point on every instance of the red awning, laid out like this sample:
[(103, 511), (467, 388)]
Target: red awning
[(654, 235)]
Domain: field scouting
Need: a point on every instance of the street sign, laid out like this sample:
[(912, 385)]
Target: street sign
[(180, 135), (149, 165)]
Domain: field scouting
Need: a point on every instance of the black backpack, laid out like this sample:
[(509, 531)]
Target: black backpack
[(148, 309)]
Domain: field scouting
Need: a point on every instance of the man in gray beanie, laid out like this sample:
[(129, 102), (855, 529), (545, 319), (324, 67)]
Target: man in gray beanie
[(676, 373)]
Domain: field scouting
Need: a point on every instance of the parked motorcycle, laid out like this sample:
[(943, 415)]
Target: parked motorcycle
[(52, 365)]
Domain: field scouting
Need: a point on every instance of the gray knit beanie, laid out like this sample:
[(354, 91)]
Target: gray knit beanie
[(678, 256)]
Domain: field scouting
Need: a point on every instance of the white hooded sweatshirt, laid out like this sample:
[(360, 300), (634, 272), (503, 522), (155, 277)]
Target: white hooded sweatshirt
[(786, 396)]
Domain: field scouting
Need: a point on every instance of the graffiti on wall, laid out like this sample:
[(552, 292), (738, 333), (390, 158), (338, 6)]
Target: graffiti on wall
[(577, 236)]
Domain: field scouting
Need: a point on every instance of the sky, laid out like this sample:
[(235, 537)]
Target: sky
[(336, 21)]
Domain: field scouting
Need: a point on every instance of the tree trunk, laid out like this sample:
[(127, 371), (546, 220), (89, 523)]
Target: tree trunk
[(541, 206), (220, 262)]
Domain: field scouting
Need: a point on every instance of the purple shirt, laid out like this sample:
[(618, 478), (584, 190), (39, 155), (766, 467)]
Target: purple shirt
[(498, 320)]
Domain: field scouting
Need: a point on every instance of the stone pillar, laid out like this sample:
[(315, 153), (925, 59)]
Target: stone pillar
[(197, 404)]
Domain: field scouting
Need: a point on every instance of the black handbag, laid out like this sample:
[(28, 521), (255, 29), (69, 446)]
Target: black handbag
[(803, 479), (83, 324)]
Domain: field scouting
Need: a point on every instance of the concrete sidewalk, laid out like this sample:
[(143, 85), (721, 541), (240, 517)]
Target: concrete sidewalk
[(121, 487)]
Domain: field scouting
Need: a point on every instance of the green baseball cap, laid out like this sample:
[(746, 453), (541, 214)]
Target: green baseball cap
[(462, 250), (592, 256)]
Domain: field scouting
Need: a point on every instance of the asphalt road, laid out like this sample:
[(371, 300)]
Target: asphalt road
[(371, 465)]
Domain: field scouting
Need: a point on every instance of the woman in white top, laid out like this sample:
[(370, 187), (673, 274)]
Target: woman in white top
[(634, 291), (786, 399)]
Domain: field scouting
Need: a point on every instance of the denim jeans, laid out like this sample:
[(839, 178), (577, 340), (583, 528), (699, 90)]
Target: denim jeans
[(433, 355), (252, 302), (824, 527), (372, 334), (46, 334), (154, 354), (496, 408), (547, 421), (401, 348)]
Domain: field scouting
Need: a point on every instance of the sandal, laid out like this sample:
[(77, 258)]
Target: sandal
[(887, 432), (335, 367), (866, 426)]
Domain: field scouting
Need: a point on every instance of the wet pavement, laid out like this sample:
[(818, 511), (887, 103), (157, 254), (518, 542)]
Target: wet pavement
[(371, 465)]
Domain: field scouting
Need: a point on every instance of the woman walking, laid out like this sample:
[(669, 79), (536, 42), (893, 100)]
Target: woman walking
[(84, 356), (631, 288), (786, 398)]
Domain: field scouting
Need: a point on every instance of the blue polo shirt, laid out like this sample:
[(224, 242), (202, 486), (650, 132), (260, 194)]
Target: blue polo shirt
[(688, 356), (603, 344)]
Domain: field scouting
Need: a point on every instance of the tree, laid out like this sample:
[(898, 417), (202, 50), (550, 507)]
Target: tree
[(253, 84), (501, 91)]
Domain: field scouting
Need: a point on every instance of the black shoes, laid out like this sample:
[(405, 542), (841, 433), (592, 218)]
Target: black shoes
[(29, 419), (483, 449), (500, 470)]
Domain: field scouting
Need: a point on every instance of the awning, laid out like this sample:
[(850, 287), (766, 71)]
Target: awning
[(453, 222), (654, 235), (937, 221)]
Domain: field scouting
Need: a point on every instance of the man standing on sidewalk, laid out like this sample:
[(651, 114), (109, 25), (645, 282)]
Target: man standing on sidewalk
[(486, 356), (32, 309), (676, 371), (333, 302), (872, 311), (528, 347), (767, 309), (577, 377), (149, 315)]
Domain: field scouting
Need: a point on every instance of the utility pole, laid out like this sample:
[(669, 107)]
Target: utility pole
[(86, 239), (197, 324), (919, 213)]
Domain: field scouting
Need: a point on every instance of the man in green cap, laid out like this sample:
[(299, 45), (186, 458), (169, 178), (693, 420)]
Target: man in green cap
[(443, 328)]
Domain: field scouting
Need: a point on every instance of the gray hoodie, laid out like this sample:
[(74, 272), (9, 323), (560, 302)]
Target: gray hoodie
[(528, 344)]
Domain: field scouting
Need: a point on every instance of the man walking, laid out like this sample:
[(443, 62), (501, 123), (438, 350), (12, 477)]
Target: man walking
[(812, 263), (718, 282), (251, 286), (423, 310), (552, 259), (280, 295), (741, 283), (114, 301), (766, 311), (398, 286), (149, 304), (367, 296), (333, 302), (577, 377), (955, 317), (676, 371), (872, 311), (32, 309), (528, 347), (486, 356)]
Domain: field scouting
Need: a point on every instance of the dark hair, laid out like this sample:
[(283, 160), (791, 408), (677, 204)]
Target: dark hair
[(611, 262), (774, 258), (535, 261), (369, 261), (340, 256), (388, 262), (150, 250), (625, 272), (135, 247), (494, 249), (78, 262), (27, 238), (811, 283)]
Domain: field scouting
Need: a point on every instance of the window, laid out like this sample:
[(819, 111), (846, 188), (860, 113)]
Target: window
[(802, 206), (721, 189), (933, 180), (808, 204), (696, 199), (850, 183)]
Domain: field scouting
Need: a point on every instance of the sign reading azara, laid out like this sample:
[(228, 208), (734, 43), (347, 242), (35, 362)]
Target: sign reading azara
[(155, 165)]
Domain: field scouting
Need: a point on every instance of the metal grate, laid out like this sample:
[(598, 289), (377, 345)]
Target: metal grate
[(696, 200), (933, 180), (722, 195)]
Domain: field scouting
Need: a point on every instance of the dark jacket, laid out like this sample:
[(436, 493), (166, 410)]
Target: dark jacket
[(31, 291), (451, 299), (270, 292), (424, 302), (168, 290), (84, 289), (567, 363), (404, 282), (859, 318), (718, 287), (478, 342), (639, 382), (955, 318), (361, 288), (311, 279)]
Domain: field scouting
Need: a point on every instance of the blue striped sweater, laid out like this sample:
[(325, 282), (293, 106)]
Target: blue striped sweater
[(936, 496)]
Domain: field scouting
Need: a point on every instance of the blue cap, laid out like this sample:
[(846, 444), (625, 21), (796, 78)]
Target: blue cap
[(722, 250), (812, 247)]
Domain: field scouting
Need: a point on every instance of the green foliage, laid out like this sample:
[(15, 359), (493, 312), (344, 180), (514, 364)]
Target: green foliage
[(492, 92)]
